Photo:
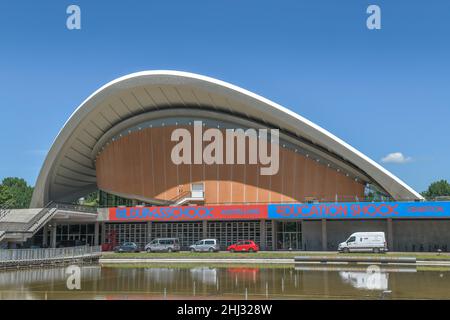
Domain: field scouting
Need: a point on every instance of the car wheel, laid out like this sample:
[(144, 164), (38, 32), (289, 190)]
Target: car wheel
[(251, 250), (192, 250), (376, 250), (169, 250), (231, 250), (345, 250), (211, 249), (149, 250)]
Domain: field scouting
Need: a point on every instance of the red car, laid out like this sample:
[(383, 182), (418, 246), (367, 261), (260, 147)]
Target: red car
[(244, 246)]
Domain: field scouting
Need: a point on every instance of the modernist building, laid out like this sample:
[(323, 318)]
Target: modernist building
[(119, 141)]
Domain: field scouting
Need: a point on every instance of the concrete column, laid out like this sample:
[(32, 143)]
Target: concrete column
[(53, 235), (45, 236), (103, 237), (149, 231), (262, 234), (274, 235), (390, 235), (205, 229), (96, 233), (324, 235)]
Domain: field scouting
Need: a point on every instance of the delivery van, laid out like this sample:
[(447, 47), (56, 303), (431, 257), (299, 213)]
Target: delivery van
[(364, 242)]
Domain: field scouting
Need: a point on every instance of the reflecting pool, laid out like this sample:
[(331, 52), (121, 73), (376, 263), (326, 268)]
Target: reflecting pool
[(227, 282)]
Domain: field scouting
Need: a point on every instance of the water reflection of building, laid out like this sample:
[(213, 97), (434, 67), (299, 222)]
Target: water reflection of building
[(27, 277), (366, 280), (37, 283), (204, 275), (161, 275)]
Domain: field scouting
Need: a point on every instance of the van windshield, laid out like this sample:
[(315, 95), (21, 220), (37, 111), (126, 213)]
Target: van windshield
[(351, 239)]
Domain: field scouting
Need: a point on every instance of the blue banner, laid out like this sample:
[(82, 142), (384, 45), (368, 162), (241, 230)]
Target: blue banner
[(360, 210)]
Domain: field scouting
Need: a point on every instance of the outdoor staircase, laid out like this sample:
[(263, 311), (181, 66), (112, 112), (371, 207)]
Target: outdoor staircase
[(21, 231), (5, 208), (186, 197)]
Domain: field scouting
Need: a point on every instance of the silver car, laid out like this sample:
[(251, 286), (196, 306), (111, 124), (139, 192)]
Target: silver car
[(209, 245), (163, 244)]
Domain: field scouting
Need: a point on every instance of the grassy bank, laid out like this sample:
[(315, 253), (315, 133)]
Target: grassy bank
[(265, 255)]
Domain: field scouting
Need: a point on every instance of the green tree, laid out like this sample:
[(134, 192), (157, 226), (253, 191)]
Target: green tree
[(439, 188), (92, 199), (15, 193)]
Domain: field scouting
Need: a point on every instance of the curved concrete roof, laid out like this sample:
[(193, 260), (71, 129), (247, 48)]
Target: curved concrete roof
[(69, 168)]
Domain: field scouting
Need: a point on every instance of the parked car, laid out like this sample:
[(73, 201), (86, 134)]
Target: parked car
[(163, 244), (209, 245), (364, 242), (244, 246), (127, 247)]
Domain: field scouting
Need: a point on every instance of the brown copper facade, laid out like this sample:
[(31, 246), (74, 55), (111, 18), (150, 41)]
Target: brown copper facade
[(139, 164)]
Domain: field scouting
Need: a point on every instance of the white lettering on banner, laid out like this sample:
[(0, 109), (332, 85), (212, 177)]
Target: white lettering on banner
[(235, 140)]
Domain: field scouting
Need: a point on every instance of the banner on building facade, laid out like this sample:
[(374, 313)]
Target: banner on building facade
[(343, 210), (186, 213), (360, 210)]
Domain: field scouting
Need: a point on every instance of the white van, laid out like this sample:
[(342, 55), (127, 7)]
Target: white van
[(364, 242)]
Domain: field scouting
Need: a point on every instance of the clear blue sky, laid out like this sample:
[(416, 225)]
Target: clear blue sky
[(381, 91)]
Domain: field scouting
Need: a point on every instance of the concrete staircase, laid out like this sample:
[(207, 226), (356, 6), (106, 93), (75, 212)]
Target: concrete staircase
[(21, 224)]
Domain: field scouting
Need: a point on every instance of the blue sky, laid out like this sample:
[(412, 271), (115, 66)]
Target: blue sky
[(382, 91)]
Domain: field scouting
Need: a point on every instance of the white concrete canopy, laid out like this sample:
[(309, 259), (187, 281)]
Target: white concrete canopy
[(69, 168)]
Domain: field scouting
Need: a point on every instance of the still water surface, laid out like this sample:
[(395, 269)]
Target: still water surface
[(227, 282)]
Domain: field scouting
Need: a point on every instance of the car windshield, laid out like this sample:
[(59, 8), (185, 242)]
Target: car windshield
[(199, 242), (351, 239)]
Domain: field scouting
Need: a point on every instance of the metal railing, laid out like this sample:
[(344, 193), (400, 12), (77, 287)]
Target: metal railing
[(75, 207), (5, 208), (25, 255), (20, 227), (180, 196)]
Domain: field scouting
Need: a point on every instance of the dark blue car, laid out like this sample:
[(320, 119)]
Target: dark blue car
[(127, 247)]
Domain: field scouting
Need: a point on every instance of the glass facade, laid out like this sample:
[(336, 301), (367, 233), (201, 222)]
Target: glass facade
[(187, 232), (70, 235), (107, 200), (230, 232), (118, 233), (227, 232), (289, 235)]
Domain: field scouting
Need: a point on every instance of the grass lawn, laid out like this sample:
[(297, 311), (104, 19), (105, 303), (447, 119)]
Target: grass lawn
[(264, 255)]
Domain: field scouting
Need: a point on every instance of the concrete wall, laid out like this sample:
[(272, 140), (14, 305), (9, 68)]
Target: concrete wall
[(408, 235), (421, 235), (312, 235), (339, 230), (20, 215)]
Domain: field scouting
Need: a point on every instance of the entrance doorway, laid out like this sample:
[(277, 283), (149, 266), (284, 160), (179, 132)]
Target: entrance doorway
[(289, 235)]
